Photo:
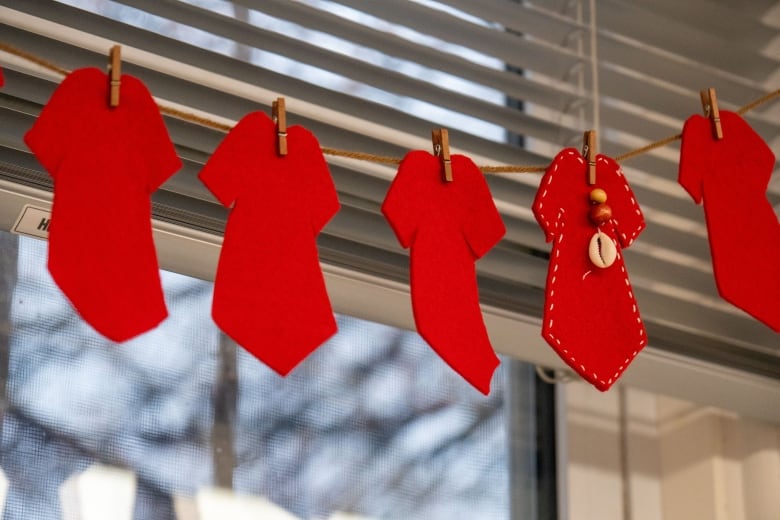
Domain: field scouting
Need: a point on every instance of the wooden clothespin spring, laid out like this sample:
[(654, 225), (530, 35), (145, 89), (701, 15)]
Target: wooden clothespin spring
[(589, 153), (441, 149), (114, 75), (279, 115), (709, 102)]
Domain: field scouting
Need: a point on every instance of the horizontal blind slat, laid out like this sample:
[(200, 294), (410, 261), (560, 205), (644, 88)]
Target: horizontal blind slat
[(553, 95), (524, 18), (553, 61), (683, 37)]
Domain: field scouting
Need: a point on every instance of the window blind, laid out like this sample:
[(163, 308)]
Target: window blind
[(376, 77)]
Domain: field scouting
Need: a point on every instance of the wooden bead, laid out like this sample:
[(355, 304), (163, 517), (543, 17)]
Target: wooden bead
[(600, 213), (598, 196)]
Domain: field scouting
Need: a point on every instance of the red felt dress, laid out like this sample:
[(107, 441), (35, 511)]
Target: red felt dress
[(448, 226), (269, 292), (731, 176), (591, 317), (105, 164)]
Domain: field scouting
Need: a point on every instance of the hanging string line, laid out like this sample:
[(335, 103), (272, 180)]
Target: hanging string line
[(33, 58), (362, 156), (647, 148), (203, 121)]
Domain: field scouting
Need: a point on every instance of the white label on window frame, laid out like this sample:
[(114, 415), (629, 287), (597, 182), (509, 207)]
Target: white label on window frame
[(33, 221)]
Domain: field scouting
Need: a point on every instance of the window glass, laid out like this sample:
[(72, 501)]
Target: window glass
[(373, 423)]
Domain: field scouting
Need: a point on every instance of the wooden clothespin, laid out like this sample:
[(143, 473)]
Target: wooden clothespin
[(280, 118), (441, 149), (709, 102), (589, 153), (114, 75)]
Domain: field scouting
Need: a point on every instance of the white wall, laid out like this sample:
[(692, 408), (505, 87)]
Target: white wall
[(640, 456)]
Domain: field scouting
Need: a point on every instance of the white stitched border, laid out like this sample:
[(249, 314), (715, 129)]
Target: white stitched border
[(628, 238)]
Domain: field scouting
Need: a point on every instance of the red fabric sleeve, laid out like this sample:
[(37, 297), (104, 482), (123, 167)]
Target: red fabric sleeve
[(51, 135), (157, 149), (483, 227), (323, 200), (549, 201), (627, 216), (696, 135), (404, 199), (223, 173)]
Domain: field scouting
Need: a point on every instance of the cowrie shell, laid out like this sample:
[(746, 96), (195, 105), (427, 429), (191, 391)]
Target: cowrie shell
[(602, 250)]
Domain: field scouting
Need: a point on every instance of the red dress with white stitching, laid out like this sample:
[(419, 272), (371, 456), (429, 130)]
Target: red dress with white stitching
[(591, 317)]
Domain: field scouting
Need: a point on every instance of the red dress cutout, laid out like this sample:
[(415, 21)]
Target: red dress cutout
[(269, 293), (448, 227), (105, 164), (591, 317), (731, 175)]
